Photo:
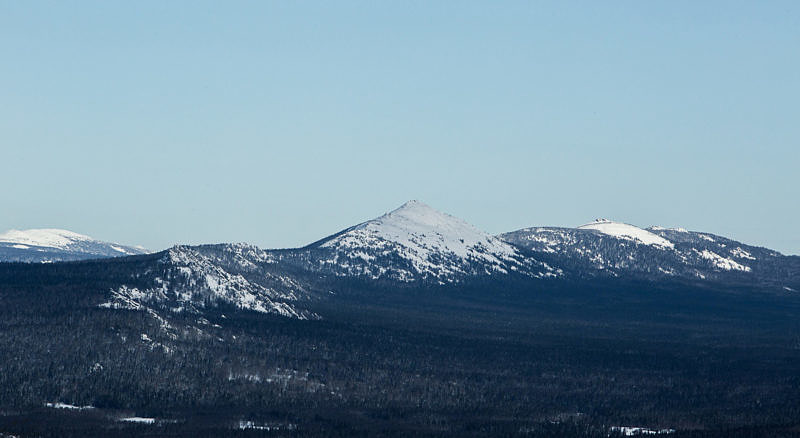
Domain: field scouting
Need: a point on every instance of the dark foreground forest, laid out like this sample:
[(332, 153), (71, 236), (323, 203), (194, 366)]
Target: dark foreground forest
[(544, 361)]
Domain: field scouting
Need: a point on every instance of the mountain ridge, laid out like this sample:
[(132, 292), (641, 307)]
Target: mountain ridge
[(416, 243), (53, 245)]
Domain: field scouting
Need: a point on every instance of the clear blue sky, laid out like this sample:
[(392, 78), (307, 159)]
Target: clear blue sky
[(277, 123)]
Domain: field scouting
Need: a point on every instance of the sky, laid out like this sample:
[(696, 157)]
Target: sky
[(277, 123)]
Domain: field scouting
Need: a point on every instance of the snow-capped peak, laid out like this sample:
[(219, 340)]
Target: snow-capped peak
[(627, 231), (424, 229), (46, 237), (430, 243)]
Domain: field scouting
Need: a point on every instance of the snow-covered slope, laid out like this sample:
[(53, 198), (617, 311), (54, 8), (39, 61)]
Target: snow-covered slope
[(415, 242), (425, 232), (47, 237), (614, 249), (50, 245), (626, 231), (189, 279)]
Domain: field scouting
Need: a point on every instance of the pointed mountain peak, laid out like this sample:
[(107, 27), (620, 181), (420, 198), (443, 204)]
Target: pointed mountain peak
[(415, 205), (415, 214), (432, 243)]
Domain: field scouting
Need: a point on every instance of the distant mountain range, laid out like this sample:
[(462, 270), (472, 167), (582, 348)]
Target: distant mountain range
[(53, 245), (610, 249), (414, 319), (415, 244)]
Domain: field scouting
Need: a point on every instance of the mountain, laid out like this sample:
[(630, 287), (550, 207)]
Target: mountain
[(191, 279), (54, 245), (414, 243), (414, 323), (605, 248)]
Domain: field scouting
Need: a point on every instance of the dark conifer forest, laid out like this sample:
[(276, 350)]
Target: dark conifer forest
[(541, 359)]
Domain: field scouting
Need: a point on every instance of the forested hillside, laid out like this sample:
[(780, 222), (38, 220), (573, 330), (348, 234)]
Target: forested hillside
[(550, 359)]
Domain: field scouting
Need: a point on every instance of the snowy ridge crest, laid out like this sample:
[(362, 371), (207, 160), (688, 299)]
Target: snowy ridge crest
[(45, 237), (50, 244), (656, 254), (190, 280), (626, 231)]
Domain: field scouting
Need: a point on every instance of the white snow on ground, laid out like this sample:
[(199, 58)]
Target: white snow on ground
[(633, 431), (424, 230), (192, 279), (202, 275), (722, 262), (122, 250), (657, 228), (63, 240), (47, 237), (625, 231), (540, 235), (252, 425), (668, 271), (131, 298), (142, 420), (255, 378), (423, 236), (742, 254), (245, 424), (59, 405)]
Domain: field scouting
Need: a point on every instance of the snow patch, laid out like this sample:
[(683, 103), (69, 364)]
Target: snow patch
[(633, 431), (60, 405), (118, 249), (722, 262), (140, 420), (132, 298), (252, 425), (742, 254), (668, 271), (626, 231)]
